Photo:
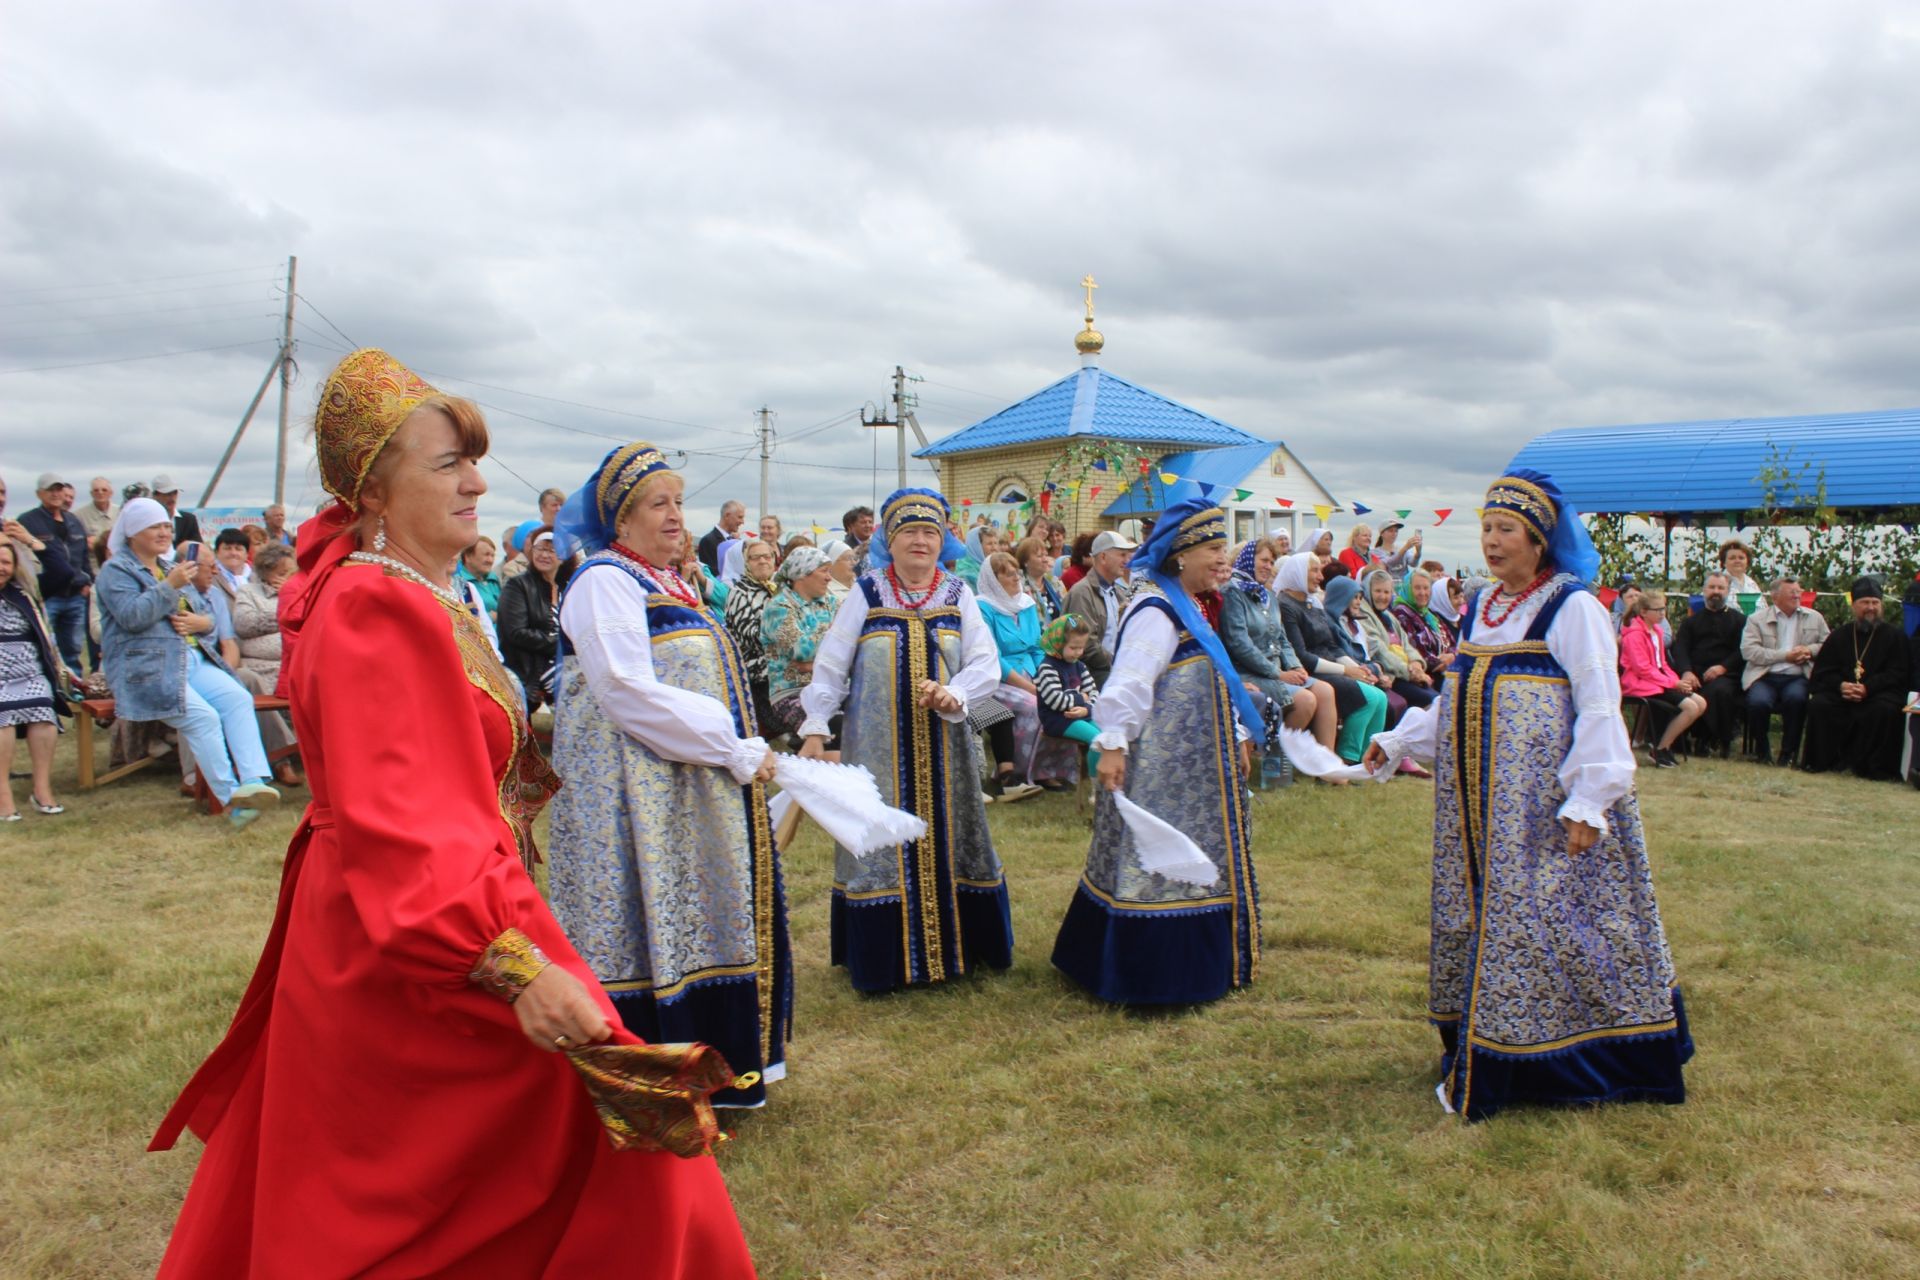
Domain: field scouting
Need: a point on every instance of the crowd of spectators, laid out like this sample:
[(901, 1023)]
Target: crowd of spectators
[(1338, 641)]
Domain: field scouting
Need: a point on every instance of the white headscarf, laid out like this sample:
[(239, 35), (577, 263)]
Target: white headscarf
[(833, 549), (1441, 603), (733, 560), (1313, 542), (1292, 573), (137, 516), (995, 596)]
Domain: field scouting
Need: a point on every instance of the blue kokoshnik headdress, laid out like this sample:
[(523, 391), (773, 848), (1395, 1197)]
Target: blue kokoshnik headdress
[(1194, 522), (1537, 502), (913, 506), (591, 517)]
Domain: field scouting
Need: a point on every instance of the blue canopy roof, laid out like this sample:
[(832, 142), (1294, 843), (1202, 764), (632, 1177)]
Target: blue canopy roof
[(1866, 459), (1092, 401), (1212, 474)]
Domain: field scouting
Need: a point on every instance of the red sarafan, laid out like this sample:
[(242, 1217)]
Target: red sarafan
[(375, 1110)]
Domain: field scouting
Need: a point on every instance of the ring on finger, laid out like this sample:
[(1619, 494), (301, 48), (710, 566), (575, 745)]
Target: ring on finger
[(562, 1040)]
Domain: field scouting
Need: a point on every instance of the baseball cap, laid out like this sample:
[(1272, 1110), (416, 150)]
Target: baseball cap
[(164, 484), (48, 480), (1108, 540)]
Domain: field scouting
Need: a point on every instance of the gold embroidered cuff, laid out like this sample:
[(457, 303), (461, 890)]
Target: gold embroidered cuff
[(508, 964)]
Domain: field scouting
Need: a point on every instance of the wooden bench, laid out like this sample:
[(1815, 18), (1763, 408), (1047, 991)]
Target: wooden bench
[(99, 711)]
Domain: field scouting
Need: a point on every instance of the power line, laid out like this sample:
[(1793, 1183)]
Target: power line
[(156, 355), (984, 395), (330, 324), (134, 293), (115, 284), (120, 315), (579, 404)]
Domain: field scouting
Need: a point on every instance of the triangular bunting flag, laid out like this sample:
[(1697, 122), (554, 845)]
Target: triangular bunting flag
[(1146, 466), (1046, 499), (1241, 495), (1442, 513), (1361, 508), (1322, 512), (1094, 492), (1167, 477), (1099, 464), (1403, 512), (1285, 502), (966, 502)]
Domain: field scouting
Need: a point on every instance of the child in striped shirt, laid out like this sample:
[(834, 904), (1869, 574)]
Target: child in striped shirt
[(1065, 688)]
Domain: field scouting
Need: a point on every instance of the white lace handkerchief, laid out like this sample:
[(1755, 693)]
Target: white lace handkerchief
[(1164, 849), (845, 801)]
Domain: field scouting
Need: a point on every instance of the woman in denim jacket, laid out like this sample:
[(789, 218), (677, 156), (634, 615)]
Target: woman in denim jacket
[(157, 646)]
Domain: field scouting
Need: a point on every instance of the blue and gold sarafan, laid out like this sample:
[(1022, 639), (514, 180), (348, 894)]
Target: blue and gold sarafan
[(664, 874), (936, 907), (1133, 937), (1551, 968)]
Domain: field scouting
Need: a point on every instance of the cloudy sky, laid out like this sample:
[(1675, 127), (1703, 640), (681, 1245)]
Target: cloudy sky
[(1401, 237)]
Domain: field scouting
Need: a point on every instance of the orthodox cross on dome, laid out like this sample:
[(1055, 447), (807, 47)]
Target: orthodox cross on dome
[(1089, 340)]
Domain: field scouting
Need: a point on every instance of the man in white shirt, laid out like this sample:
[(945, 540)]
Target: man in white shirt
[(1101, 597), (1778, 644)]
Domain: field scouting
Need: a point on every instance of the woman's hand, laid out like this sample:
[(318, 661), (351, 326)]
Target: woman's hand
[(1376, 757), (800, 670), (1356, 672), (1580, 835), (765, 772), (1113, 770), (1296, 676), (1076, 713), (1246, 760), (190, 624), (181, 574), (556, 1012), (937, 698), (1021, 682), (813, 748)]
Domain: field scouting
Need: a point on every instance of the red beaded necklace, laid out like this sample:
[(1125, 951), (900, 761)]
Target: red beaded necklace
[(1486, 610), (908, 601), (674, 584)]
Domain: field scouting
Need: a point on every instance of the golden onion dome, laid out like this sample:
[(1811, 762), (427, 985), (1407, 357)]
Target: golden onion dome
[(1089, 341)]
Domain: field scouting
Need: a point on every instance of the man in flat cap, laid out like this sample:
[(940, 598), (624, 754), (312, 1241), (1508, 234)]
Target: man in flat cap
[(1858, 686)]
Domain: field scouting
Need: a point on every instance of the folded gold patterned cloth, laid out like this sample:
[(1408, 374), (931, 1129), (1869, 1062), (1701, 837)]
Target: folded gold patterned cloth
[(656, 1097)]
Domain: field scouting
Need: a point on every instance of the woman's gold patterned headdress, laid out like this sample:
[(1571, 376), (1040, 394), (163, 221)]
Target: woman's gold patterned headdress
[(366, 398), (1528, 501)]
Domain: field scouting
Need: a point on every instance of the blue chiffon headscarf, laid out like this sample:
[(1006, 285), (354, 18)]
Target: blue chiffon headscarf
[(1195, 522), (1537, 501), (913, 506)]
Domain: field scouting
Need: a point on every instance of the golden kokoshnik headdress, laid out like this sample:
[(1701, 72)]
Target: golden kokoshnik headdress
[(1528, 501), (365, 399), (913, 506), (1536, 501)]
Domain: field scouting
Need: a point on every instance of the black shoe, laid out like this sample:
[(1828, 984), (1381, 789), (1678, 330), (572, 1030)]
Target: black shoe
[(1664, 760)]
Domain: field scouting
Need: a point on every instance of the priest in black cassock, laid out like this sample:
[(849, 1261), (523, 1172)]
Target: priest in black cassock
[(1858, 686), (1706, 654)]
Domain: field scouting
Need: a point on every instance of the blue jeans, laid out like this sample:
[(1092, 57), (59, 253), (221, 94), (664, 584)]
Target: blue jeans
[(67, 615), (219, 724), (1782, 692)]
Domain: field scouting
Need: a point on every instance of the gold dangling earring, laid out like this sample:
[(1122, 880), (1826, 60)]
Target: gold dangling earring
[(380, 536)]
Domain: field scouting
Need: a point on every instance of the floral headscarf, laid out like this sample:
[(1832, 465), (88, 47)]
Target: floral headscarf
[(1054, 636)]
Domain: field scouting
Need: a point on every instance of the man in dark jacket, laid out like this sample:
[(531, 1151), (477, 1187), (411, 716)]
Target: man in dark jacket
[(66, 578), (186, 525), (1706, 654), (733, 514)]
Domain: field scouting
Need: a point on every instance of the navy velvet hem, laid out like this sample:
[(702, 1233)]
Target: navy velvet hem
[(724, 1014), (865, 938), (1639, 1068), (1184, 957)]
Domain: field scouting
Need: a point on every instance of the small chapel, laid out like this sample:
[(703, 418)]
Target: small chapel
[(1094, 450)]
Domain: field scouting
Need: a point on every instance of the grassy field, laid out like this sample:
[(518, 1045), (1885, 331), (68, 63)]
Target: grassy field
[(1008, 1126)]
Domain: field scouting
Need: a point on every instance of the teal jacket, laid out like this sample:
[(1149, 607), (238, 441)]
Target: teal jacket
[(1018, 639)]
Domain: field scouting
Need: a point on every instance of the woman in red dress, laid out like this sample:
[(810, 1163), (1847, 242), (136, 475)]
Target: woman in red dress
[(401, 1092)]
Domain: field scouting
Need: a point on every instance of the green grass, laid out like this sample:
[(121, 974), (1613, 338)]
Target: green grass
[(1009, 1126)]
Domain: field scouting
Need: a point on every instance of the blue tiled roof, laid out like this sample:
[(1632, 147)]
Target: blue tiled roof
[(1869, 460), (1092, 401), (1220, 471)]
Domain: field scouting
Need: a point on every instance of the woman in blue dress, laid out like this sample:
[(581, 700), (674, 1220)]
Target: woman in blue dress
[(906, 656), (1174, 720), (664, 873), (1549, 976)]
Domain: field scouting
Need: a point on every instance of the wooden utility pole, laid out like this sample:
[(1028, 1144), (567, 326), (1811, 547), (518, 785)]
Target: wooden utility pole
[(286, 386)]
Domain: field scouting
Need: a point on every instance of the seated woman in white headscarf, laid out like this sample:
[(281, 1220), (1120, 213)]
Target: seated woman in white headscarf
[(906, 656), (1015, 620), (1311, 633), (1174, 723), (842, 566), (663, 869), (791, 627)]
